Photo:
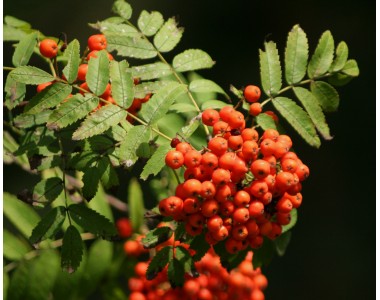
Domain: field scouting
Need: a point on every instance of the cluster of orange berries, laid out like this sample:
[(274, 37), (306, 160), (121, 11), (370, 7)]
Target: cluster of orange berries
[(240, 188), (49, 48), (213, 282)]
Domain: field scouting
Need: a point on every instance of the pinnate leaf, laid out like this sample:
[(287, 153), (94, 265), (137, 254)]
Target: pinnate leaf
[(14, 247), (47, 190), (322, 57), (215, 104), (72, 53), (281, 243), (135, 204), (107, 27), (30, 120), (123, 9), (192, 59), (30, 75), (49, 225), (24, 50), (176, 273), (264, 255), (160, 103), (93, 174), (20, 214), (135, 136), (270, 69), (149, 87), (77, 107), (293, 221), (265, 121), (341, 55), (15, 92), (168, 36), (100, 121), (135, 47), (97, 75), (205, 86), (326, 94), (298, 119), (156, 237), (200, 245), (312, 107), (49, 97), (155, 164), (159, 261), (151, 71), (150, 23), (296, 55), (72, 250), (92, 221), (351, 68), (122, 83)]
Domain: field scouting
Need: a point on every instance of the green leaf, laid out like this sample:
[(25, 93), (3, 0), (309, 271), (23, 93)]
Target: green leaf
[(265, 121), (183, 107), (215, 104), (150, 23), (72, 110), (339, 79), (176, 273), (312, 107), (192, 59), (17, 23), (49, 162), (49, 97), (160, 103), (100, 204), (30, 120), (24, 50), (12, 34), (14, 247), (151, 71), (156, 237), (263, 256), (96, 266), (135, 137), (158, 262), (296, 55), (117, 133), (327, 95), (72, 53), (92, 221), (281, 243), (20, 214), (323, 56), (168, 36), (270, 69), (200, 245), (227, 260), (351, 68), (98, 122), (135, 47), (49, 225), (298, 119), (107, 27), (72, 250), (9, 147), (155, 164), (122, 83), (19, 281), (123, 9), (150, 87), (92, 175), (293, 221), (97, 75), (5, 284), (135, 204), (206, 86), (15, 92), (47, 190), (341, 55), (188, 130), (43, 274), (109, 177), (30, 75)]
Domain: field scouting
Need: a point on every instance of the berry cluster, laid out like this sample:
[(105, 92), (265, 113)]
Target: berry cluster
[(213, 282), (97, 42), (240, 188)]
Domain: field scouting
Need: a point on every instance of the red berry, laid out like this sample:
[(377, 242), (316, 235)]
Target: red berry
[(124, 227), (48, 48), (252, 93), (97, 42)]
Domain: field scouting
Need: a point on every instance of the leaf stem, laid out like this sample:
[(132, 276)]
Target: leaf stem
[(8, 68)]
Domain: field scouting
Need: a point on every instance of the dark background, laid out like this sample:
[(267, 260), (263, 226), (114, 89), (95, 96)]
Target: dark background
[(332, 252)]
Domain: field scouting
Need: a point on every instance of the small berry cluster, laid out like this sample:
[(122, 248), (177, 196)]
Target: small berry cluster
[(213, 282), (240, 188), (132, 245), (97, 42)]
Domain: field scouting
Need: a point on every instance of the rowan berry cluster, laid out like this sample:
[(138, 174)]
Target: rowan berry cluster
[(213, 282), (97, 42), (241, 188)]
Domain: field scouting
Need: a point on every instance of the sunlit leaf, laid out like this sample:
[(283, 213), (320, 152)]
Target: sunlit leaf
[(150, 23), (322, 57), (24, 50), (72, 53), (30, 75), (270, 69), (192, 59), (168, 36)]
